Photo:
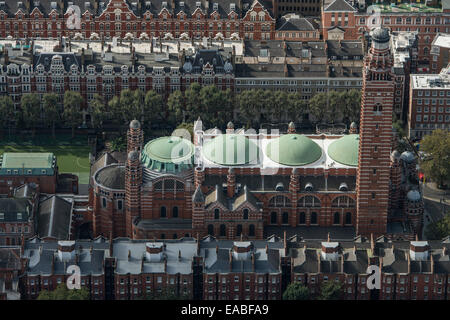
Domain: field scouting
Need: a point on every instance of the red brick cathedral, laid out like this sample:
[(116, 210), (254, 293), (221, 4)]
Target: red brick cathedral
[(249, 184)]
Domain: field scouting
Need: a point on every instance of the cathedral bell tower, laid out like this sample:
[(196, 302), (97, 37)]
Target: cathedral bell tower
[(375, 142)]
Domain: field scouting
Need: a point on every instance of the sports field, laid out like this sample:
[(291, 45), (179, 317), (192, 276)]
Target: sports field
[(71, 157)]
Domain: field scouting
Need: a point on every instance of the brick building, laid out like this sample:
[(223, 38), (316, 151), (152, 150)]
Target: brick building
[(18, 215), (123, 19), (344, 20), (429, 103), (17, 169), (292, 27), (125, 269), (440, 52), (10, 269)]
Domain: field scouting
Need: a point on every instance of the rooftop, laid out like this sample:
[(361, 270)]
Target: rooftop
[(36, 162)]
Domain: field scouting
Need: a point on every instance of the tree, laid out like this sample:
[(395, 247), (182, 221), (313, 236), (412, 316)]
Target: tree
[(250, 107), (63, 293), (130, 107), (317, 105), (31, 110), (154, 107), (192, 99), (175, 105), (72, 110), (189, 126), (51, 112), (331, 290), (439, 229), (296, 107), (296, 291), (351, 105), (437, 167), (115, 111), (7, 112), (98, 111), (279, 99)]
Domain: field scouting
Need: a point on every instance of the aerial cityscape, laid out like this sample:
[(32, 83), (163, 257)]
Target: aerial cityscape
[(225, 150)]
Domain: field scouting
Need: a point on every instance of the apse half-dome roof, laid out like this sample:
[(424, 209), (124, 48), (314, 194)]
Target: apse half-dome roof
[(293, 150), (345, 150), (231, 150), (168, 154)]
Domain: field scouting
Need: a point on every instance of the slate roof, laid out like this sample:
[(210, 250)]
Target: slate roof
[(218, 260), (176, 258), (112, 176), (10, 207), (54, 218), (10, 259), (340, 6), (345, 48), (104, 160), (26, 190), (297, 24), (42, 254)]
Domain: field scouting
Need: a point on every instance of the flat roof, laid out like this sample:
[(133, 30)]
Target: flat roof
[(27, 160)]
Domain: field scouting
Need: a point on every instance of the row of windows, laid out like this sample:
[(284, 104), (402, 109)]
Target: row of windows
[(313, 218), (223, 230)]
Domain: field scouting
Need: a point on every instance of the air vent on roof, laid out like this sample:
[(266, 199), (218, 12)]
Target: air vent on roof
[(164, 4), (246, 6), (87, 4), (232, 6), (52, 4), (2, 3), (70, 3), (36, 3), (134, 5), (197, 4), (182, 4), (148, 4), (215, 6)]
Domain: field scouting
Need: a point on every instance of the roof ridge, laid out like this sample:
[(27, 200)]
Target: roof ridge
[(52, 210)]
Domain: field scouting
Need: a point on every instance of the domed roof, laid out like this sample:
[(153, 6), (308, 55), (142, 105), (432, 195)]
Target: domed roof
[(187, 67), (231, 150), (353, 125), (345, 150), (407, 156), (168, 154), (413, 195), (112, 177), (380, 34), (135, 124), (395, 154), (293, 150)]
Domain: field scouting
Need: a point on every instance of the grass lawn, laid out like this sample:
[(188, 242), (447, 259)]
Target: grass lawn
[(70, 157)]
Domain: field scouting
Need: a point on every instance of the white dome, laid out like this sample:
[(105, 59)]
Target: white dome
[(413, 195)]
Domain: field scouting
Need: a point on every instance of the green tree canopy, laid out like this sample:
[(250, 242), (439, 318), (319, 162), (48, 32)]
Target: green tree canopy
[(63, 293), (72, 110), (98, 111), (31, 110), (192, 99), (51, 110), (296, 291), (331, 290), (154, 107), (6, 111), (175, 104), (439, 229), (437, 167)]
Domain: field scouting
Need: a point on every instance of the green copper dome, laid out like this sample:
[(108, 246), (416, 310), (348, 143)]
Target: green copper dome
[(231, 150), (168, 154), (293, 150), (345, 150)]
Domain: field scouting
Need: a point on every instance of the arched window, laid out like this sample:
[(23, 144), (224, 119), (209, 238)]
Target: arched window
[(175, 212), (308, 202), (302, 218), (216, 213), (336, 218), (343, 202), (163, 212), (251, 230), (313, 218), (245, 217), (285, 218), (348, 218), (239, 230), (279, 202), (223, 230), (273, 218), (104, 202), (210, 229)]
